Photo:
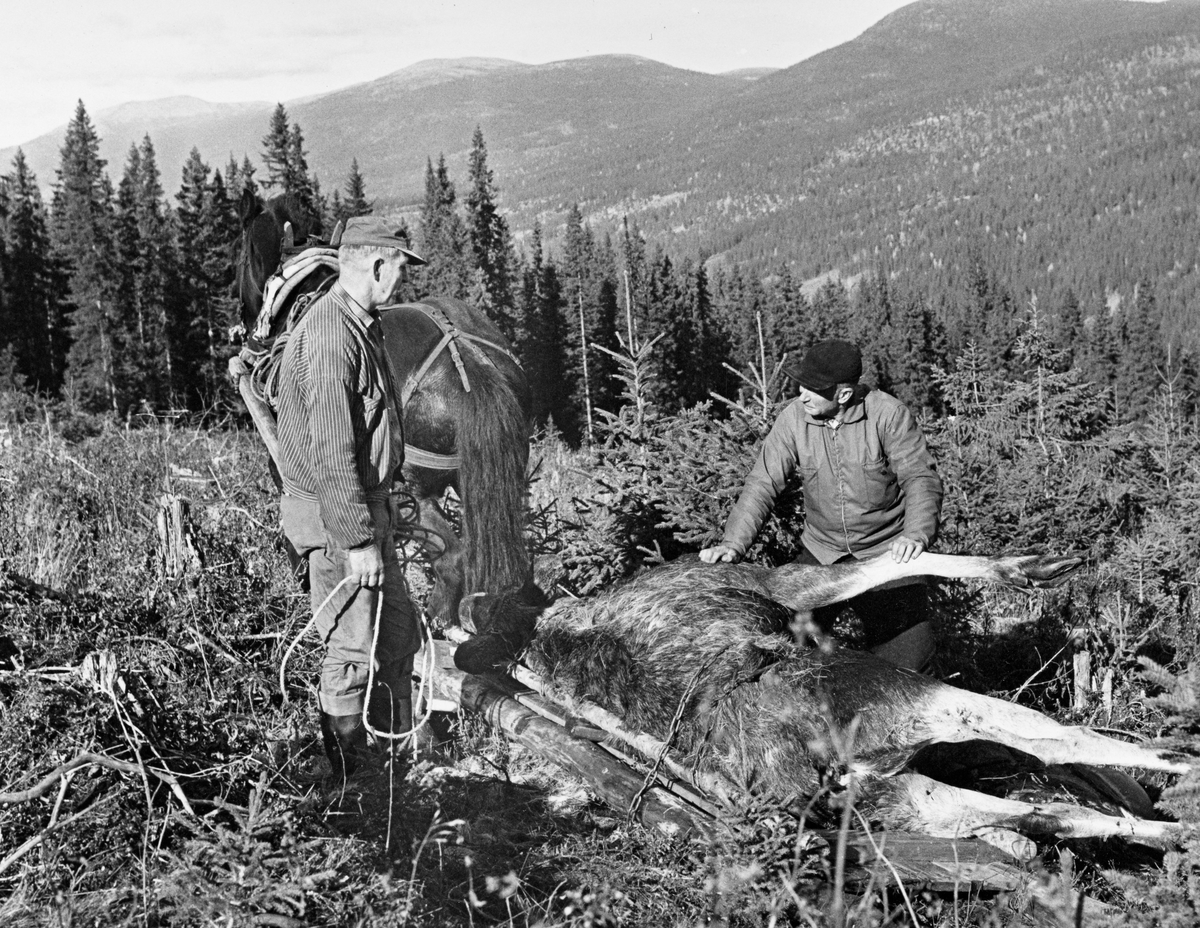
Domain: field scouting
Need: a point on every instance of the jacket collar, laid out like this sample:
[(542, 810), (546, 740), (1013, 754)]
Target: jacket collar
[(855, 412)]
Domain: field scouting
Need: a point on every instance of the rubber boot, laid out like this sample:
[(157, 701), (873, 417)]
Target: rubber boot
[(391, 715), (345, 739), (912, 649)]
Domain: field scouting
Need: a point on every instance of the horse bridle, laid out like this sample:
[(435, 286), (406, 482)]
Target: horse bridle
[(451, 335), (449, 342)]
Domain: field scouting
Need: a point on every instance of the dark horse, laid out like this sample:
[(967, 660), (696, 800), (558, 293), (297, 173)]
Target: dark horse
[(465, 416)]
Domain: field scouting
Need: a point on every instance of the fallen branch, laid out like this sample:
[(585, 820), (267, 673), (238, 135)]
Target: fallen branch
[(42, 835), (87, 759)]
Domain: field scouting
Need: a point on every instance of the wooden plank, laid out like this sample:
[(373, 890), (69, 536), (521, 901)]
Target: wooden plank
[(940, 863), (614, 782)]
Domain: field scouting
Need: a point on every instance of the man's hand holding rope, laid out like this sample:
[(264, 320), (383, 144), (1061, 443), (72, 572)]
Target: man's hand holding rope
[(366, 566)]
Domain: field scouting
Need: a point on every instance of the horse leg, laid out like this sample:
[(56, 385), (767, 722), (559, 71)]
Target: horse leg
[(804, 587), (445, 554)]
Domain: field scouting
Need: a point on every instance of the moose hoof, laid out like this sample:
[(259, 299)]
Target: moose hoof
[(1046, 571), (489, 653)]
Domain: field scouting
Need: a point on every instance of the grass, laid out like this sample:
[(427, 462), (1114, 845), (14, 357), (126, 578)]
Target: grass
[(207, 805)]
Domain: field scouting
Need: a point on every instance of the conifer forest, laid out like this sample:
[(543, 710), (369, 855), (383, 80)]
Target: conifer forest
[(1062, 407)]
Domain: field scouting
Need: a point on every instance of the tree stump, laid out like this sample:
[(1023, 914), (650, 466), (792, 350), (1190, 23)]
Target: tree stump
[(179, 560)]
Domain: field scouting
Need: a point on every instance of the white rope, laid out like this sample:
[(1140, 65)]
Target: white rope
[(304, 631), (425, 689)]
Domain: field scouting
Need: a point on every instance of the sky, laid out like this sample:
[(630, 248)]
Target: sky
[(55, 52)]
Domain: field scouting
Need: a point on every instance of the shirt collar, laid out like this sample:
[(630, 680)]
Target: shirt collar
[(365, 317)]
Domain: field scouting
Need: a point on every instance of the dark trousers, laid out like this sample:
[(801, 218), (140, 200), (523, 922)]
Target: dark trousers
[(884, 613)]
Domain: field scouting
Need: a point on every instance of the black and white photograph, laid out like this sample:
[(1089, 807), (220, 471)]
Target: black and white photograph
[(577, 465)]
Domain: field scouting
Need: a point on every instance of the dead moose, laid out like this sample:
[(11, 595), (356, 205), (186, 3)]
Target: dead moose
[(702, 656)]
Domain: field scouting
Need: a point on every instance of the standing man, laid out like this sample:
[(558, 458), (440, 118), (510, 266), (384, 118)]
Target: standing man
[(870, 488), (341, 447)]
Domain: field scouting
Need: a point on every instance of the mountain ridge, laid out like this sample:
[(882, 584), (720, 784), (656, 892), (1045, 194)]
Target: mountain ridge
[(837, 163)]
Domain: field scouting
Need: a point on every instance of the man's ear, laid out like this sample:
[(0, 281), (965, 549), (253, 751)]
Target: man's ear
[(844, 395), (377, 267)]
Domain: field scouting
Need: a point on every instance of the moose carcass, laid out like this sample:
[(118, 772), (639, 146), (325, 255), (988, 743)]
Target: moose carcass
[(702, 656)]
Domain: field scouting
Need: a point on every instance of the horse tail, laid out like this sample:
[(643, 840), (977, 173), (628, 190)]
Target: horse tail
[(493, 450)]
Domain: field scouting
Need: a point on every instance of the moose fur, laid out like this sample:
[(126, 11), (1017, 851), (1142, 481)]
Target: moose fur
[(771, 716)]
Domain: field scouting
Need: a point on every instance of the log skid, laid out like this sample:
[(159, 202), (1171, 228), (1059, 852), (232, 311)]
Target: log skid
[(528, 717), (615, 783)]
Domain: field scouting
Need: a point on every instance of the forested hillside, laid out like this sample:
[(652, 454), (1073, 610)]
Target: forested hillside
[(1077, 179), (964, 167)]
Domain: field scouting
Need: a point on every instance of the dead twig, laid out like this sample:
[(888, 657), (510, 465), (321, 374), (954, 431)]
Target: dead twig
[(89, 758), (42, 835)]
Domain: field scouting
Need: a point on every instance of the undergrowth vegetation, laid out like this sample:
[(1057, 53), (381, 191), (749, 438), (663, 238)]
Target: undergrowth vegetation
[(154, 773)]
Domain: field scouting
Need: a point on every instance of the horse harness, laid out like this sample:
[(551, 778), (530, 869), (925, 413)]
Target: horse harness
[(263, 361), (451, 336)]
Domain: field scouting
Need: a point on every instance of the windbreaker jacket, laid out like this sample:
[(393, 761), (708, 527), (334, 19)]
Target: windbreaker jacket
[(340, 441), (868, 477)]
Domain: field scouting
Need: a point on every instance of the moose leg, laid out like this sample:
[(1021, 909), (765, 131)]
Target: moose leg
[(948, 714), (913, 802), (803, 587)]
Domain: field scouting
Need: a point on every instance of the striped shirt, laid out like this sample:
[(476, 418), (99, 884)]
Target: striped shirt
[(340, 440)]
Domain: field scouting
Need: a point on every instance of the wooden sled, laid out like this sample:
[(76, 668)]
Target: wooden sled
[(676, 802)]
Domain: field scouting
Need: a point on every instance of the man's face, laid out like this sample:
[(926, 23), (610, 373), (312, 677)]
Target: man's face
[(818, 406), (390, 273)]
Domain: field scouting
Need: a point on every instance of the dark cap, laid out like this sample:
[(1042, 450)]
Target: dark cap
[(372, 232), (825, 365)]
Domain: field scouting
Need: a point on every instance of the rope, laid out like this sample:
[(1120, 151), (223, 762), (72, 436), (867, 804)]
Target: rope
[(672, 733), (405, 505)]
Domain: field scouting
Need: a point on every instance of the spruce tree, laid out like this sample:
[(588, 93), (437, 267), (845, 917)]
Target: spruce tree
[(635, 282), (355, 202), (1139, 374), (491, 243), (32, 284), (444, 242), (277, 152), (146, 248), (211, 330), (82, 234), (241, 179), (287, 167), (667, 314), (208, 309), (589, 289), (307, 190), (707, 372), (541, 341), (130, 319)]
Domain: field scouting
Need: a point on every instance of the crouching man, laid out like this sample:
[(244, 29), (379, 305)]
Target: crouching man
[(870, 488), (341, 447)]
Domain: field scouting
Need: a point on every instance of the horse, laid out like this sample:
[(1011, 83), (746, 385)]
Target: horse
[(465, 413), (703, 658)]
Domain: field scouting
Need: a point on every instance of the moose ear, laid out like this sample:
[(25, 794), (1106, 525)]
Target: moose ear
[(249, 205), (289, 237), (335, 240)]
